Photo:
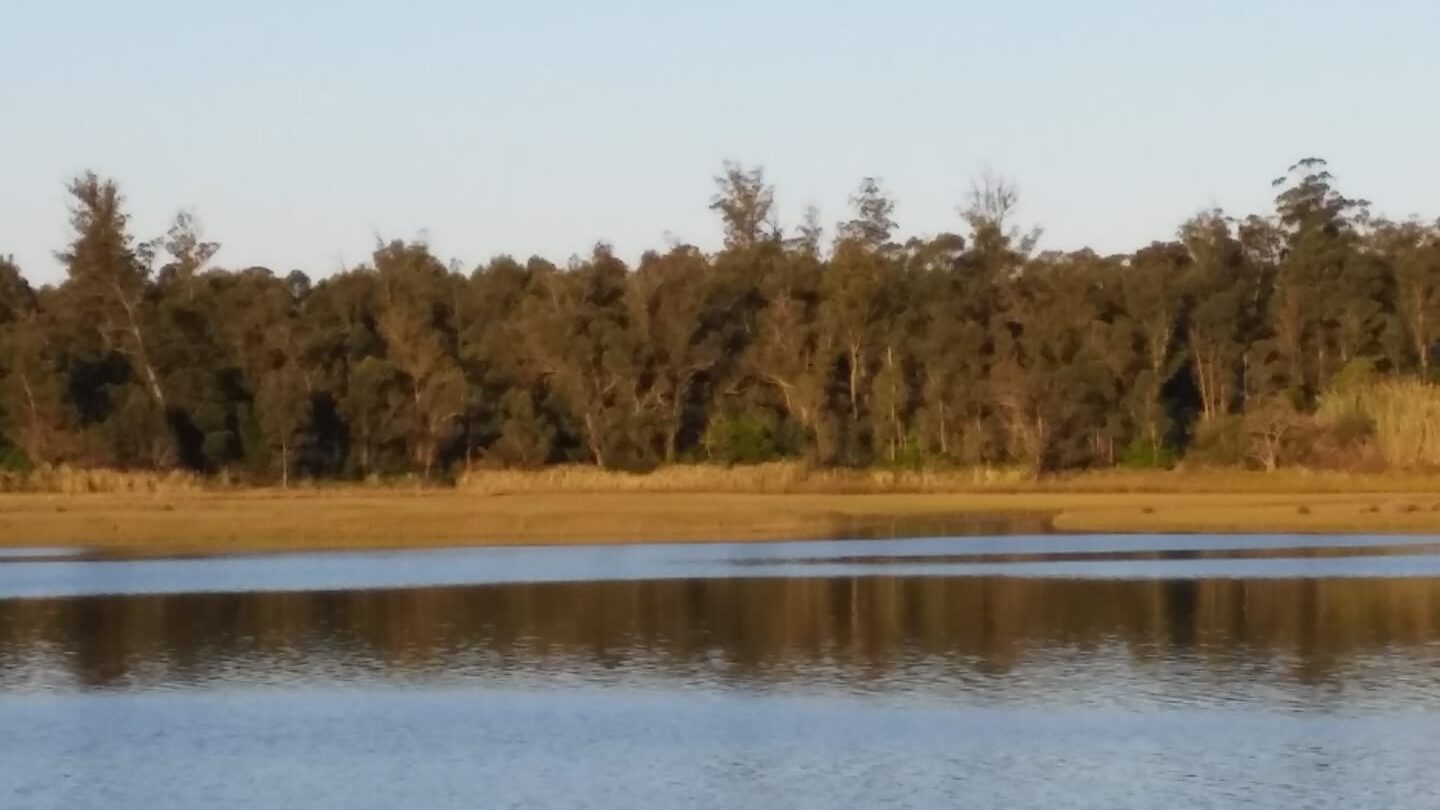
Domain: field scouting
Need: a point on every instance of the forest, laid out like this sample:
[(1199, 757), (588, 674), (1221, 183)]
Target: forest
[(1302, 336)]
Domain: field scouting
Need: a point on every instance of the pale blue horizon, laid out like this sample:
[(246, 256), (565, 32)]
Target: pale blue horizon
[(299, 132)]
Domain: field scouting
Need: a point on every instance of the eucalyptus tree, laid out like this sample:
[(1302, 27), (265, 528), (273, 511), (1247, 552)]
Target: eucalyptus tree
[(346, 355), (110, 313), (790, 357), (965, 348), (1218, 291), (579, 337), (746, 204), (953, 302), (873, 224), (271, 348), (189, 252), (1412, 252), (414, 318), (109, 274), (680, 335), (1151, 306), (1324, 314), (32, 395)]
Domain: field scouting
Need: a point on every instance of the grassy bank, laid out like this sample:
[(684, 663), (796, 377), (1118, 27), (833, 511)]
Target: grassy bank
[(566, 506), (792, 478)]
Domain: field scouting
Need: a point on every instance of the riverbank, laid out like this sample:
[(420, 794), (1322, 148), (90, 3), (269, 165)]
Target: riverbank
[(532, 511)]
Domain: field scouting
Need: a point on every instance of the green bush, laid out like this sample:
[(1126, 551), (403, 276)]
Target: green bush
[(1220, 442), (741, 439), (911, 454), (12, 460), (1140, 454)]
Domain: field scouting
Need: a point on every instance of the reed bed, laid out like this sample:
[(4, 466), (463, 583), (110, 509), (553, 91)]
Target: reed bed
[(237, 519), (793, 478), (1406, 415), (779, 478), (64, 480)]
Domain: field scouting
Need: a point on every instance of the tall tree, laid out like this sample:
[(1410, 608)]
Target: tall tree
[(873, 222), (746, 205), (1217, 290), (413, 319), (1150, 288), (680, 335), (189, 252), (32, 396), (1324, 314), (110, 274), (1412, 251)]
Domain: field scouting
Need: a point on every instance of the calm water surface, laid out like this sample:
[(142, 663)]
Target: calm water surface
[(1046, 671)]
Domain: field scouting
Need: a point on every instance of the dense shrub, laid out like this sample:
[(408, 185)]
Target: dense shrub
[(741, 439), (12, 460), (1141, 454), (1220, 442)]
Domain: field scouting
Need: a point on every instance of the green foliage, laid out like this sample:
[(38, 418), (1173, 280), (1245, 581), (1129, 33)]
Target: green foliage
[(11, 459), (1141, 454), (1220, 442), (527, 438), (741, 439), (910, 453), (1267, 340)]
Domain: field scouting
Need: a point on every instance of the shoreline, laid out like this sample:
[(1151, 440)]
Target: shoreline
[(260, 520)]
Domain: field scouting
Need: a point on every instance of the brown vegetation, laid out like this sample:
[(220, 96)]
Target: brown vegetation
[(707, 503)]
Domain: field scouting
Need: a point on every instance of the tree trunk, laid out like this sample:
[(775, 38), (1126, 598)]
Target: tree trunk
[(594, 441), (154, 381), (1422, 346), (944, 431), (33, 438), (142, 357), (894, 407), (677, 408), (855, 381)]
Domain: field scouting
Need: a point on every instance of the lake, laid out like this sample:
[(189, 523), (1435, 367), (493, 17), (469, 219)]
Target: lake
[(1036, 671)]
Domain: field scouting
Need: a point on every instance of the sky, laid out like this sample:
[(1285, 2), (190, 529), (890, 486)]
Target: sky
[(301, 132)]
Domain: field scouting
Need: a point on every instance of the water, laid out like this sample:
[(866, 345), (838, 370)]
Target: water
[(1046, 671)]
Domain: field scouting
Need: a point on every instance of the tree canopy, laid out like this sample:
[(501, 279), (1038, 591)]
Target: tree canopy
[(961, 348)]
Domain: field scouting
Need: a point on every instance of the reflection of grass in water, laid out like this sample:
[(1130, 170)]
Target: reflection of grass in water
[(1306, 552), (965, 525)]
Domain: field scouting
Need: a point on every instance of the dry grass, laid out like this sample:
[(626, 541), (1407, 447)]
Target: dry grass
[(254, 520), (793, 478), (174, 513), (73, 481), (1404, 415), (780, 478)]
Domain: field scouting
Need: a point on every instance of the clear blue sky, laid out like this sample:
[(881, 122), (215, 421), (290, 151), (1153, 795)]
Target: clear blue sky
[(298, 131)]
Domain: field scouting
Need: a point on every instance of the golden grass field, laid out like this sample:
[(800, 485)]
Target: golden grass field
[(579, 505)]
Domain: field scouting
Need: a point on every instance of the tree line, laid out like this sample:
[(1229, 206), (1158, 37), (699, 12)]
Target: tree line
[(787, 629), (966, 348)]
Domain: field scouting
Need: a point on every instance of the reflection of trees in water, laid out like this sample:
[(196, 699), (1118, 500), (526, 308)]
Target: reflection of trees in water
[(860, 628)]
